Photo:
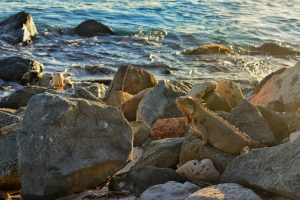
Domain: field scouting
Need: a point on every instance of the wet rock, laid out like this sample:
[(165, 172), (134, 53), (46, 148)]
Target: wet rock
[(140, 179), (8, 119), (18, 28), (161, 101), (82, 144), (117, 98), (168, 128), (199, 172), (132, 80), (20, 70), (209, 49), (9, 170), (248, 119), (282, 85), (274, 169), (170, 190), (21, 97), (273, 49), (276, 122), (162, 153), (141, 133), (91, 28), (193, 149), (130, 107), (224, 191)]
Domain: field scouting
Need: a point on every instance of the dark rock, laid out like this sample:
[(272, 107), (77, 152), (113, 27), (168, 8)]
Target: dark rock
[(91, 28), (9, 170), (132, 80), (209, 49), (8, 119), (18, 28), (274, 169), (162, 153), (273, 49), (80, 92), (21, 97), (140, 179), (81, 145), (20, 69), (161, 101), (141, 133)]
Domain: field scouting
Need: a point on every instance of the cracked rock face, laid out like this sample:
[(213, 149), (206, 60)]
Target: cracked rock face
[(68, 145)]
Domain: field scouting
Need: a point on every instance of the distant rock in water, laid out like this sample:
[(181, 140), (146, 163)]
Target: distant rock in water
[(209, 49), (18, 28), (20, 69), (91, 28), (273, 49)]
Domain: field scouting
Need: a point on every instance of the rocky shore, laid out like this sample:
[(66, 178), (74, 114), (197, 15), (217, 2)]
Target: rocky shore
[(136, 137)]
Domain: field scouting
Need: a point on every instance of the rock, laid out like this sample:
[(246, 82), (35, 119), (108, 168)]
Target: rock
[(140, 179), (168, 128), (20, 69), (161, 101), (169, 190), (21, 97), (248, 119), (276, 122), (215, 102), (8, 119), (141, 132), (9, 170), (209, 49), (91, 28), (130, 107), (274, 169), (276, 106), (273, 49), (132, 80), (18, 28), (282, 85), (82, 144), (80, 92), (162, 153), (224, 191), (97, 89), (117, 98), (45, 80), (193, 149), (293, 119), (8, 110), (294, 136), (199, 172)]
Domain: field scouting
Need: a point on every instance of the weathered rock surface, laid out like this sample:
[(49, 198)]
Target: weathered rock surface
[(276, 122), (275, 169), (80, 92), (248, 119), (91, 28), (132, 80), (21, 97), (18, 28), (224, 191), (117, 98), (168, 128), (162, 153), (282, 85), (193, 149), (141, 132), (161, 101), (82, 144), (170, 190), (293, 119), (9, 170), (209, 49), (8, 119), (20, 69), (140, 179), (199, 172), (273, 49)]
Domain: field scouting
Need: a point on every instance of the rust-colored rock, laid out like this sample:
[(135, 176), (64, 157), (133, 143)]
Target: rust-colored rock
[(168, 128), (209, 49)]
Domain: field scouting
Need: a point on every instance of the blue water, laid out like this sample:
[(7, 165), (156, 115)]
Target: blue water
[(157, 31)]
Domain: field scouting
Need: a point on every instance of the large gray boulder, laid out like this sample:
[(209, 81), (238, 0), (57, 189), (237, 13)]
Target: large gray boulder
[(18, 28), (20, 69), (91, 28), (226, 191), (275, 169), (9, 170), (170, 190), (161, 101), (21, 97), (68, 145)]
